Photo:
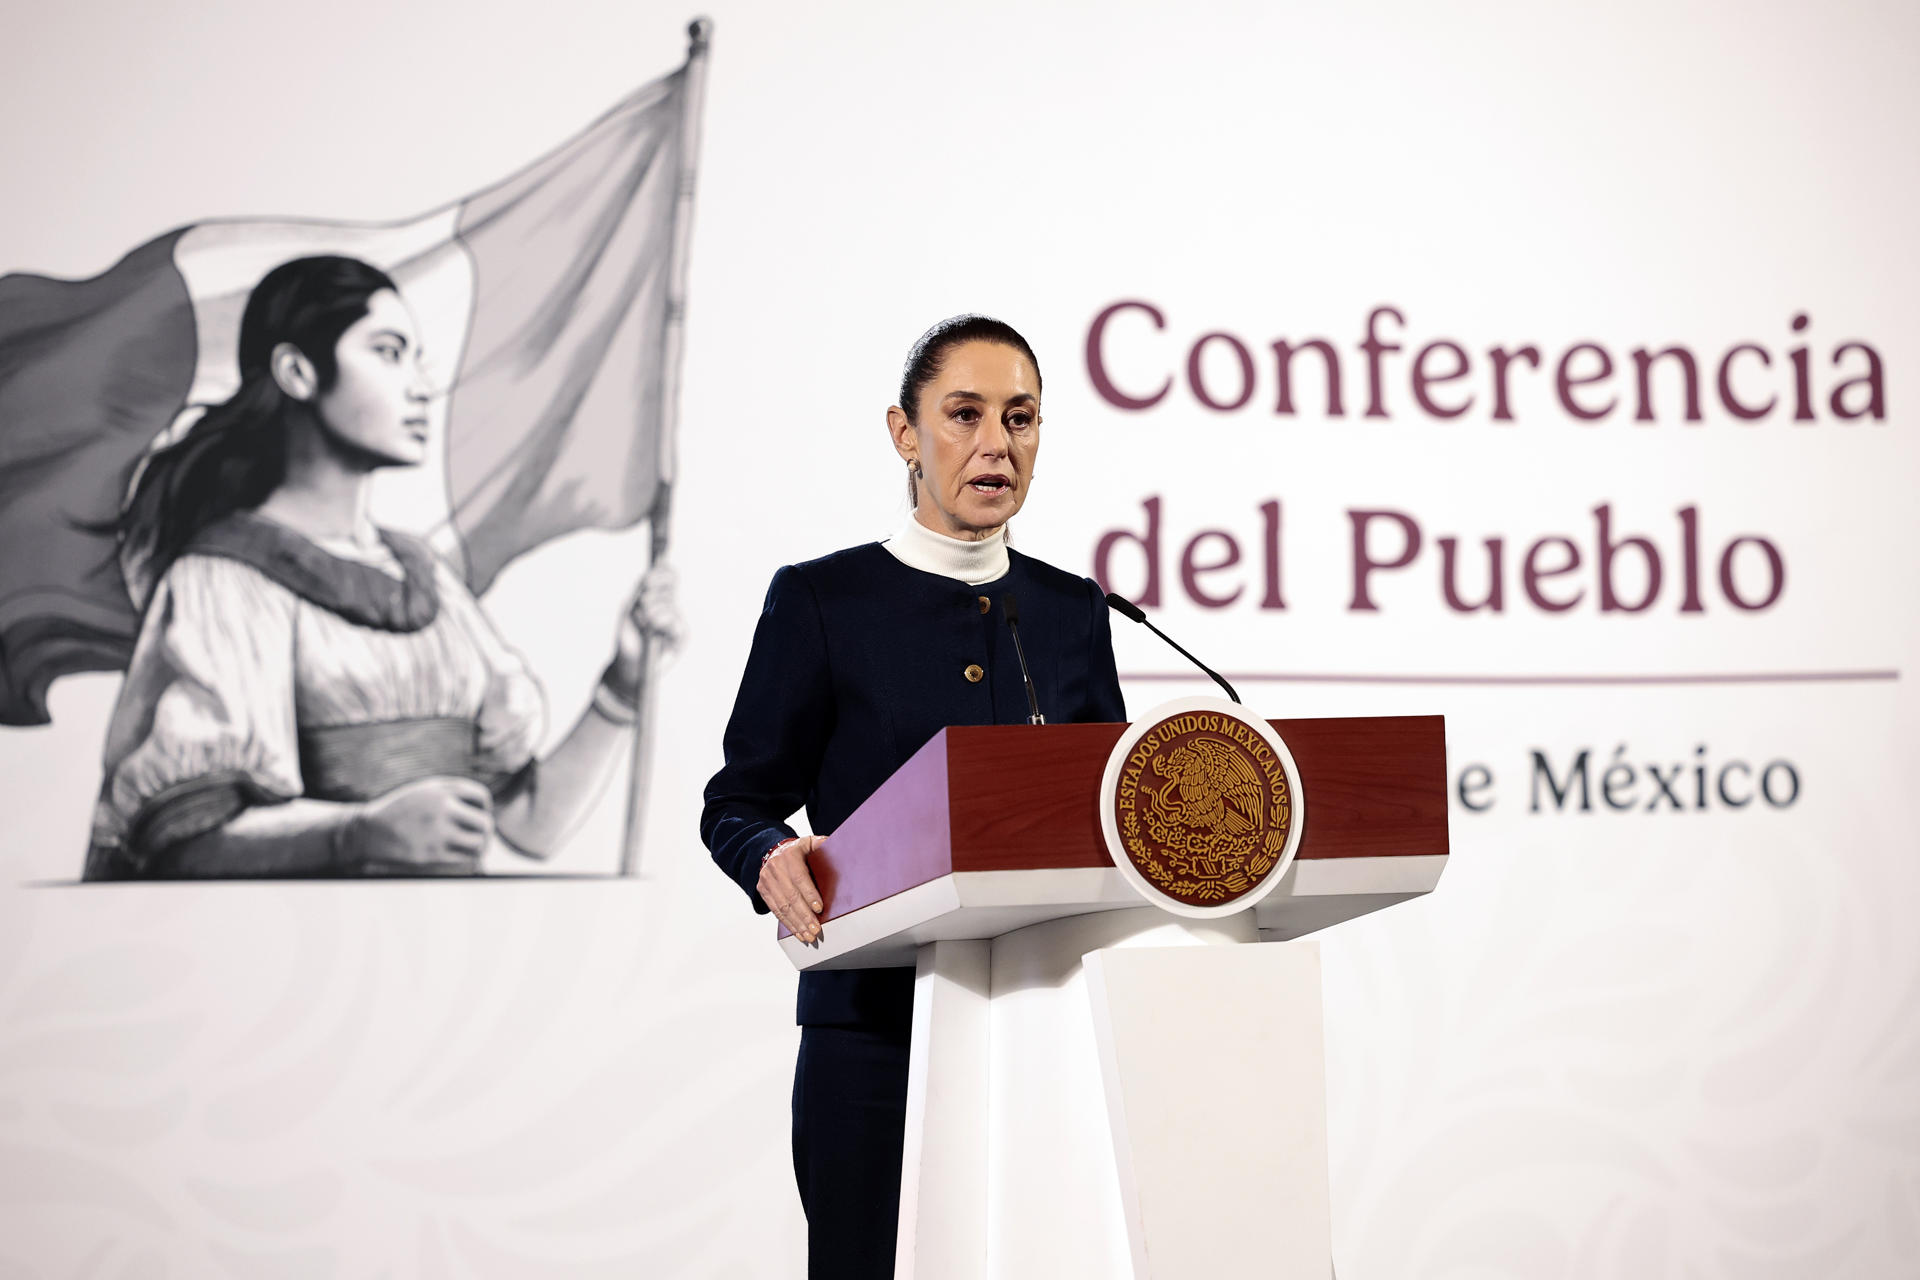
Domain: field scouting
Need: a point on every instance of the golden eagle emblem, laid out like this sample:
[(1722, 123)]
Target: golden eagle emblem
[(1203, 807), (1211, 786)]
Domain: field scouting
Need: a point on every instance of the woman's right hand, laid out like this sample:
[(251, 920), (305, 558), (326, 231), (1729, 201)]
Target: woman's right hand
[(786, 886), (436, 826)]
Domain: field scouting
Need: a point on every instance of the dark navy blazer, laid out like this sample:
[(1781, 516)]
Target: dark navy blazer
[(856, 662)]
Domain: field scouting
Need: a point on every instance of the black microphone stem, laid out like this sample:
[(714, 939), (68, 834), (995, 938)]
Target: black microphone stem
[(1011, 607), (1217, 677), (1120, 604)]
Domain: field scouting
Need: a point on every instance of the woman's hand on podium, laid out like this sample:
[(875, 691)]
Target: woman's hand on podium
[(786, 886)]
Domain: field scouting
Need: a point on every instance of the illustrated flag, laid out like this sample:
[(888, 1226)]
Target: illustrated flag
[(543, 305)]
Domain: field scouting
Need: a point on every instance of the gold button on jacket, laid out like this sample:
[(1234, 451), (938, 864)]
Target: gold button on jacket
[(974, 673)]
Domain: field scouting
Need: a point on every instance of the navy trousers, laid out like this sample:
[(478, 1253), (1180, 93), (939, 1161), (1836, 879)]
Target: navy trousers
[(849, 1120)]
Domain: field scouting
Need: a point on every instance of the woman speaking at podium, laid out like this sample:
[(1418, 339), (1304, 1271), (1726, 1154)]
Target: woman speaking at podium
[(858, 659)]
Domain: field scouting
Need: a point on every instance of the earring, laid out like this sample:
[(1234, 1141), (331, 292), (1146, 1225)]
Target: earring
[(913, 467)]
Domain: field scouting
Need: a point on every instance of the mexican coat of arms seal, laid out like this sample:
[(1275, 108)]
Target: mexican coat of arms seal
[(1202, 808)]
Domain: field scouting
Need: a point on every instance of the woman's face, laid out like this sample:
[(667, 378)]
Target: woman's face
[(975, 432), (377, 404)]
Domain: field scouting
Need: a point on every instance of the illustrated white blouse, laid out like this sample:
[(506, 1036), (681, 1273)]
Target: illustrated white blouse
[(268, 668)]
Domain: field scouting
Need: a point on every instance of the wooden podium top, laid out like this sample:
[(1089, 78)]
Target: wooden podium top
[(1025, 798)]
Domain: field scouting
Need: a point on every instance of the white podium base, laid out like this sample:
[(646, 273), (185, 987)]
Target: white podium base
[(1157, 1109)]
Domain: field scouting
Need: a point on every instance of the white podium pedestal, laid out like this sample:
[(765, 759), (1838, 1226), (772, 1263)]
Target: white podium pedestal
[(1116, 1094), (1095, 1090)]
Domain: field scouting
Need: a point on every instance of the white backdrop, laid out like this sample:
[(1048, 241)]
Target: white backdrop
[(1616, 1042)]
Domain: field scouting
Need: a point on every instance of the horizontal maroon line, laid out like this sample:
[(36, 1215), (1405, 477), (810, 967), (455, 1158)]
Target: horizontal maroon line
[(1720, 677)]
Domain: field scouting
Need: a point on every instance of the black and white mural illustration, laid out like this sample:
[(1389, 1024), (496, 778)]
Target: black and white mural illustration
[(189, 448)]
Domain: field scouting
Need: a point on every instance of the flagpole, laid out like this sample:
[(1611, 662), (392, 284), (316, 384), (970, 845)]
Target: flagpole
[(699, 36)]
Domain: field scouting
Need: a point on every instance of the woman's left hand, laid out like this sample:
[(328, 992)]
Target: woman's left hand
[(651, 614)]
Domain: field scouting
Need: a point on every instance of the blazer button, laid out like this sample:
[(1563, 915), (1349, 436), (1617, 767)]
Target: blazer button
[(986, 605), (973, 673)]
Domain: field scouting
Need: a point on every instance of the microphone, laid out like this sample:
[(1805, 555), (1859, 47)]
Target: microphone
[(1127, 608), (1012, 608)]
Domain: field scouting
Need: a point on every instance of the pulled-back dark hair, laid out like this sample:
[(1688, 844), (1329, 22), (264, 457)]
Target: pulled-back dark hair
[(236, 453), (929, 354)]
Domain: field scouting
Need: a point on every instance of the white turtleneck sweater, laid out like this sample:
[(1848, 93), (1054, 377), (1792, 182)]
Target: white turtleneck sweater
[(973, 563)]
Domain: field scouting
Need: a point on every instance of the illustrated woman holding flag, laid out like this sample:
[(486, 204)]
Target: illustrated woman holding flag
[(311, 695)]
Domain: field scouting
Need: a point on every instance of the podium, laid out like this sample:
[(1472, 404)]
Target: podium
[(1100, 1087)]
